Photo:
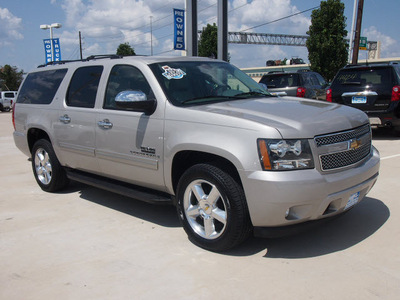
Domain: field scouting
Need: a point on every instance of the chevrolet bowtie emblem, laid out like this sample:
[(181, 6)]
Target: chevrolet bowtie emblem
[(355, 144)]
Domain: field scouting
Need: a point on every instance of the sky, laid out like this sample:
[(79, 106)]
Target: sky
[(105, 24)]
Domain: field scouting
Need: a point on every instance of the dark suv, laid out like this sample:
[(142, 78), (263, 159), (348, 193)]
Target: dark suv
[(303, 83), (373, 88)]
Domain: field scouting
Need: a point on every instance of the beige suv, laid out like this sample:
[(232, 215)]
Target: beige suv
[(199, 134)]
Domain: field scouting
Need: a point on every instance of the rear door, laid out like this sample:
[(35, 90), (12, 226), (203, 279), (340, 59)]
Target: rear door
[(75, 128)]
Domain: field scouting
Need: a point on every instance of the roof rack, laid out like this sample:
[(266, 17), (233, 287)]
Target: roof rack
[(92, 57)]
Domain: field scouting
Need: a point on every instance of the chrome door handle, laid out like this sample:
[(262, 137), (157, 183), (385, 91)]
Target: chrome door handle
[(105, 124), (65, 119)]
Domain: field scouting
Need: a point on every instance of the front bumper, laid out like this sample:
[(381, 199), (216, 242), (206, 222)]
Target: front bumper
[(285, 198)]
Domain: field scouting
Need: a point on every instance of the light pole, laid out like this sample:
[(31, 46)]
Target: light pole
[(54, 25)]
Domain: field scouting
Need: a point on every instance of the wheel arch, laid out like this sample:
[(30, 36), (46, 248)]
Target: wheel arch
[(183, 160), (35, 134)]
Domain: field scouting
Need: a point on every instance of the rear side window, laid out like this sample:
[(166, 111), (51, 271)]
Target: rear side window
[(83, 87), (41, 87), (281, 80)]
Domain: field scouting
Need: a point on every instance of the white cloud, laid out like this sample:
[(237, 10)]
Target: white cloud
[(10, 27), (389, 46)]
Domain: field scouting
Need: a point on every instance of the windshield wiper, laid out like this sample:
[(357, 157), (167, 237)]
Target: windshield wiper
[(351, 83), (252, 93), (205, 98)]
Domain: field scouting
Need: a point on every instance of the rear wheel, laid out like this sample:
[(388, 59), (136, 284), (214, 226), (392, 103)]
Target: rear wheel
[(48, 172), (212, 208)]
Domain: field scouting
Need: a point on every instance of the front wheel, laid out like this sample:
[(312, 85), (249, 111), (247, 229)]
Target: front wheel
[(212, 208), (48, 172)]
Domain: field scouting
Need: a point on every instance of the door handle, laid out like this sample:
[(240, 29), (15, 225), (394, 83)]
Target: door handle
[(105, 124), (65, 119)]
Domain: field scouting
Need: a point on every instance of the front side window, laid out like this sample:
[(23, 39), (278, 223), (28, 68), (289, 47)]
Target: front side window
[(203, 82), (41, 87), (83, 87), (125, 78)]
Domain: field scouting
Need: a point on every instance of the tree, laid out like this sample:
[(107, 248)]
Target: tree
[(327, 47), (125, 50), (209, 41), (10, 78)]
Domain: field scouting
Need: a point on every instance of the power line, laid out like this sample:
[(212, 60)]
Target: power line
[(280, 19)]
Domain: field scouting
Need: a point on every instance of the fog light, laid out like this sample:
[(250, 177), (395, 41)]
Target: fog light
[(287, 213)]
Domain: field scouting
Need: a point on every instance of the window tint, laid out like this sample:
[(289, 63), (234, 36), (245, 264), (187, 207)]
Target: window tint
[(125, 78), (83, 87), (9, 95), (281, 80), (320, 79), (41, 87), (365, 76)]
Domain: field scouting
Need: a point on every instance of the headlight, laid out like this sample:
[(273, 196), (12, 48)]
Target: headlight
[(284, 155)]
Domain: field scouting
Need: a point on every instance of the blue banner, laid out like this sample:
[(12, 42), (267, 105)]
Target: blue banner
[(179, 29), (56, 50), (49, 46)]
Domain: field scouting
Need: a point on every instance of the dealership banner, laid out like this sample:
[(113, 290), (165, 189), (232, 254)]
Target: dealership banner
[(179, 29), (50, 45)]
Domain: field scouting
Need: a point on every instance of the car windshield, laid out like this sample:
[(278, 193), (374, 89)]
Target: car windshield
[(364, 77), (281, 80), (203, 82)]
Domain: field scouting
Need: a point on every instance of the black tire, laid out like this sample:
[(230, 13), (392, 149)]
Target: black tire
[(48, 172), (212, 208), (396, 131)]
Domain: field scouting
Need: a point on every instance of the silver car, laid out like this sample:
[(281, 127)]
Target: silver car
[(197, 133)]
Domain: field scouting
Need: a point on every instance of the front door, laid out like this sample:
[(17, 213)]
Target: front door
[(129, 144)]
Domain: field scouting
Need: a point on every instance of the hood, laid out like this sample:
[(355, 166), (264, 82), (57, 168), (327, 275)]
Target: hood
[(292, 117)]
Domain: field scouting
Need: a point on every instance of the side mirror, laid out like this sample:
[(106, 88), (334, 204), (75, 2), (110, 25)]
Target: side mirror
[(137, 101), (263, 86)]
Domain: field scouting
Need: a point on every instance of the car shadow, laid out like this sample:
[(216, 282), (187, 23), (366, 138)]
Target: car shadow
[(162, 214), (335, 235), (386, 134)]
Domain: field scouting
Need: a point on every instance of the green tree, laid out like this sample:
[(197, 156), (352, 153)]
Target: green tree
[(125, 50), (10, 78), (327, 47), (209, 41)]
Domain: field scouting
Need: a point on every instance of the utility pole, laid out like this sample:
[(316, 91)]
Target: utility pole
[(223, 30), (191, 27), (80, 44), (358, 32)]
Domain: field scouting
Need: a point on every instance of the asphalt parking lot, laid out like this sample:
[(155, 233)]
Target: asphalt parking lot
[(86, 243)]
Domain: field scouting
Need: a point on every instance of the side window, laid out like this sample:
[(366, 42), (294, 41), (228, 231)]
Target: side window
[(83, 87), (41, 87), (314, 80), (125, 78), (321, 80)]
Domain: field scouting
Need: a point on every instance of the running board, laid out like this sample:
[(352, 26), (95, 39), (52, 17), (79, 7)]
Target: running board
[(122, 188)]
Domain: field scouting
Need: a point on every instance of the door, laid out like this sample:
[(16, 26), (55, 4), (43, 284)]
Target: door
[(75, 129), (129, 144)]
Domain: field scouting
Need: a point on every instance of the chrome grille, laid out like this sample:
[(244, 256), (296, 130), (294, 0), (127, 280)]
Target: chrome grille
[(344, 159), (342, 136), (349, 155)]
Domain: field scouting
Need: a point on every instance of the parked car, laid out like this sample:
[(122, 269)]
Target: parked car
[(197, 133), (372, 88), (7, 98), (303, 83)]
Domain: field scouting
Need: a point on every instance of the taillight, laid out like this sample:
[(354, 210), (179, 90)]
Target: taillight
[(13, 115), (301, 92), (329, 95), (396, 93)]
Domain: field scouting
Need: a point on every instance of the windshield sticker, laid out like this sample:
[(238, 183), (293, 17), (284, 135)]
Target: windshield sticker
[(171, 73)]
